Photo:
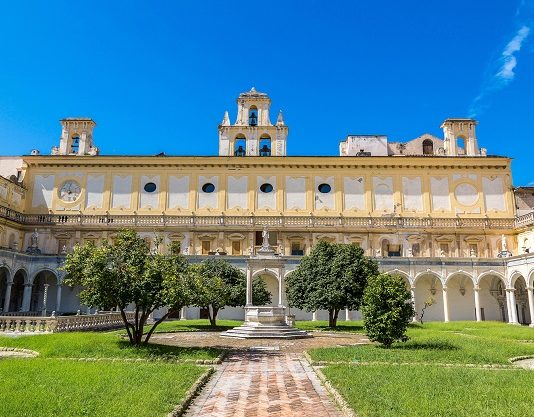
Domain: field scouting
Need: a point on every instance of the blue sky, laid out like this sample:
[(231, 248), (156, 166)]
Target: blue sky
[(158, 76)]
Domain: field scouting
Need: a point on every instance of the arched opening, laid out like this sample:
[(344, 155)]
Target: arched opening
[(44, 282), (428, 289), (521, 301), (272, 285), (4, 274), (460, 145), (461, 298), (240, 145), (428, 147), (492, 297), (74, 144), (253, 116), (265, 145), (17, 291)]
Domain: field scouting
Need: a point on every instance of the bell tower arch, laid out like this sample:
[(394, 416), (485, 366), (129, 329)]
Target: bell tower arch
[(252, 134), (76, 137)]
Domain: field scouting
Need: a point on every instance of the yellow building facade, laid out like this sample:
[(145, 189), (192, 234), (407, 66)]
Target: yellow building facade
[(438, 211)]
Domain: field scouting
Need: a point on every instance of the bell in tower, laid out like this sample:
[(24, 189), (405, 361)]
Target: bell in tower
[(252, 134), (76, 137)]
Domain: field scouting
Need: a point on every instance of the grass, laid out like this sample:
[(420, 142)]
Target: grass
[(421, 391), (342, 326), (103, 345), (52, 387), (458, 342), (195, 325), (414, 389)]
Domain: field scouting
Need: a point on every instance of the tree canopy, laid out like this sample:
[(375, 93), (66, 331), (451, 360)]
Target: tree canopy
[(216, 284), (332, 277), (125, 273)]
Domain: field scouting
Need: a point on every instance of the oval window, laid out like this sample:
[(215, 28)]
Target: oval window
[(324, 188), (150, 187), (208, 187), (266, 188)]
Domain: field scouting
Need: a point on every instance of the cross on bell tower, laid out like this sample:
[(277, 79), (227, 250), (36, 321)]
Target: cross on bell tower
[(252, 134)]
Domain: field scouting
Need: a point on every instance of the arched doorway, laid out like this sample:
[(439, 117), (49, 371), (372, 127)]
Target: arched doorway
[(461, 297), (428, 289), (17, 291), (492, 296), (521, 301), (43, 280), (4, 276), (272, 285)]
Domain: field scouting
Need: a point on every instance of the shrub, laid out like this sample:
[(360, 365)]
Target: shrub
[(386, 309)]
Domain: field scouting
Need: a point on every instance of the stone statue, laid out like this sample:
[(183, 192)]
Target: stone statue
[(35, 239), (504, 246)]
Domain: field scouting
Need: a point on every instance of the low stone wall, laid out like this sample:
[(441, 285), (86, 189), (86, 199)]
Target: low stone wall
[(26, 324)]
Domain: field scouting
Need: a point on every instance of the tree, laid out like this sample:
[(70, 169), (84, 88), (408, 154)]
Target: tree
[(124, 274), (332, 277), (216, 284), (387, 309)]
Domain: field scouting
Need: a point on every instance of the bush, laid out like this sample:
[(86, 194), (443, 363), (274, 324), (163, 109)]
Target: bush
[(386, 309)]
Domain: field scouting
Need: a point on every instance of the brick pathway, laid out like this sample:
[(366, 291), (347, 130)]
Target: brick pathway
[(258, 384)]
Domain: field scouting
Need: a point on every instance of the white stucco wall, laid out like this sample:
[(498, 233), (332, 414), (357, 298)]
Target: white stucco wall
[(439, 189), (178, 192), (237, 196), (94, 192), (42, 191), (121, 191), (354, 193)]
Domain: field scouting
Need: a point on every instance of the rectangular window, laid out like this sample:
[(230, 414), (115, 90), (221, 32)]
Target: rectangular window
[(297, 249), (236, 247), (357, 244), (394, 250), (416, 249), (206, 247), (258, 238)]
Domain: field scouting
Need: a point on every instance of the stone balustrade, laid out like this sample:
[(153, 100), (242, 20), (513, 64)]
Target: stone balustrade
[(28, 324), (279, 221)]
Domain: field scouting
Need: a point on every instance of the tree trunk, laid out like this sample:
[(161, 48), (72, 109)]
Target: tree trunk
[(213, 316), (149, 334), (128, 325), (332, 317)]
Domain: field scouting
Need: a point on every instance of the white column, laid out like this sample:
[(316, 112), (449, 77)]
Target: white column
[(347, 314), (445, 305), (530, 291), (478, 312), (26, 297), (58, 298), (183, 313), (512, 306), (314, 316), (249, 287), (7, 298), (280, 288), (412, 292), (508, 303)]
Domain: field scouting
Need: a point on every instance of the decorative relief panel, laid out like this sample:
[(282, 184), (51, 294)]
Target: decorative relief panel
[(42, 191), (383, 193), (439, 188), (295, 193), (466, 194), (122, 191), (178, 192), (354, 193), (237, 192)]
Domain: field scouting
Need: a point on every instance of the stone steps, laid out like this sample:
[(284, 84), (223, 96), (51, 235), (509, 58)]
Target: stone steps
[(265, 332)]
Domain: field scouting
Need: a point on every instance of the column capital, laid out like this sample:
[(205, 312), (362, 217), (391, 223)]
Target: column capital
[(444, 288), (477, 288), (531, 288), (510, 290)]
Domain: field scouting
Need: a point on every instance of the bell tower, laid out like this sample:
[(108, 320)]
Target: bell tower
[(76, 137), (460, 137), (253, 134)]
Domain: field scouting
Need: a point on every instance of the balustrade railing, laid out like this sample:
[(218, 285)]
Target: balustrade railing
[(396, 222), (29, 324)]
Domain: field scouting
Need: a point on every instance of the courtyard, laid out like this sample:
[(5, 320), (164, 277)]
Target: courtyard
[(445, 369)]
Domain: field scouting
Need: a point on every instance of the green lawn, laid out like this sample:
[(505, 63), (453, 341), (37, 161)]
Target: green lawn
[(102, 345), (53, 387), (195, 325), (458, 342), (50, 386), (417, 389), (430, 391)]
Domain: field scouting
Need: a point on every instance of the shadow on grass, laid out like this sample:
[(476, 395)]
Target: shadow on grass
[(153, 350), (339, 328), (430, 345)]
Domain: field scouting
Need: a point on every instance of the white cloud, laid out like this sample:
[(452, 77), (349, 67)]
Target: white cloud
[(509, 61)]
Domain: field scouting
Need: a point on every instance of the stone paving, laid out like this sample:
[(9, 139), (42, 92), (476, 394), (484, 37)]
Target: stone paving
[(264, 383)]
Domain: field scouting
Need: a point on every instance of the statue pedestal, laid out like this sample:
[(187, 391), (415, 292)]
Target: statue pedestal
[(265, 322)]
